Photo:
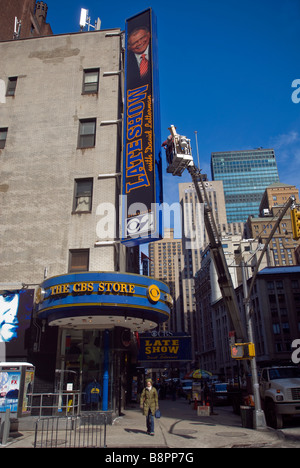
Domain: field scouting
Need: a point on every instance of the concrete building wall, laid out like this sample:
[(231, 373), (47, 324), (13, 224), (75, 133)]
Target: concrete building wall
[(41, 159)]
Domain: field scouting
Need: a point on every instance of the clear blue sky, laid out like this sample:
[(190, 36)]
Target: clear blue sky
[(226, 71)]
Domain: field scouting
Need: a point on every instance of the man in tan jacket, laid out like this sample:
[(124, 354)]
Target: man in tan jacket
[(149, 404)]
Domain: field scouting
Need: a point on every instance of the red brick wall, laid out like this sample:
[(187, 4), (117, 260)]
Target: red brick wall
[(24, 11)]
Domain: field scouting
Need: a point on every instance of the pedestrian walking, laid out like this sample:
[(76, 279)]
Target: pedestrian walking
[(149, 405)]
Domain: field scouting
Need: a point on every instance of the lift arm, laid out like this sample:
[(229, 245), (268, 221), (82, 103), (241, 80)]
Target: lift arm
[(290, 203), (179, 159), (217, 252)]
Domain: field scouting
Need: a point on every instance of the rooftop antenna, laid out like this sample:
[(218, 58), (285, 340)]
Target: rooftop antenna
[(196, 136), (85, 20), (17, 28)]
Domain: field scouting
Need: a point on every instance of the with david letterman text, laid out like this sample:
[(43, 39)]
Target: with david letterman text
[(135, 163)]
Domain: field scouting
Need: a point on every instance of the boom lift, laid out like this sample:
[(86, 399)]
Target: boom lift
[(179, 158)]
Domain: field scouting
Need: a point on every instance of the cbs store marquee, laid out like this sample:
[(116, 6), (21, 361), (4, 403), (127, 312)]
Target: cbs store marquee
[(106, 299)]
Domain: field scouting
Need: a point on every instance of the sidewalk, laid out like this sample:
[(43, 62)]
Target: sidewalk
[(179, 427)]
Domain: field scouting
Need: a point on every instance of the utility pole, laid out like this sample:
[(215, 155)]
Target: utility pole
[(259, 419)]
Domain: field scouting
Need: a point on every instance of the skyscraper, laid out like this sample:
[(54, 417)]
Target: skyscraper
[(164, 255), (245, 176)]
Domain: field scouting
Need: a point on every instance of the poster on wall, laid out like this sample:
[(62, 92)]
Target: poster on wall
[(142, 165), (28, 389), (9, 390), (15, 316)]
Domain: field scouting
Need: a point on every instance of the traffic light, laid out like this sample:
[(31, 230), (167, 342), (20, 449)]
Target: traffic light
[(243, 351), (295, 217), (237, 351)]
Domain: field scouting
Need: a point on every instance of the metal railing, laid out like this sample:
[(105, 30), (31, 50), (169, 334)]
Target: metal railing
[(46, 404), (81, 431)]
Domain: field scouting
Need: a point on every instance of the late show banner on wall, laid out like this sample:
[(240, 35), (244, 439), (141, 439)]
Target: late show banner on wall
[(142, 165), (164, 348)]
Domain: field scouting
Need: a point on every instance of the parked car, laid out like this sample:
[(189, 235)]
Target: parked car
[(220, 390), (186, 389)]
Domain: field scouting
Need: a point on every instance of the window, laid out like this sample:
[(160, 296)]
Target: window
[(79, 260), (83, 195), (87, 133), (286, 327), (297, 298), (11, 86), (278, 347), (3, 135), (272, 298), (90, 81), (281, 298)]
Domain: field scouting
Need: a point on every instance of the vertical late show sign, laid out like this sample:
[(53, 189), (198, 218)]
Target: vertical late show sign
[(142, 165)]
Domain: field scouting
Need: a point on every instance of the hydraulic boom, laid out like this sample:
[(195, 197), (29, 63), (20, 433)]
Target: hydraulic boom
[(179, 158)]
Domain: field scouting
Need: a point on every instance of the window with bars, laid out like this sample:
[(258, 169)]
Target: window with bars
[(3, 136), (79, 260), (83, 195), (87, 133), (90, 81), (11, 86)]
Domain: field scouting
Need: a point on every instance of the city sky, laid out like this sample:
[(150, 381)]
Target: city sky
[(226, 71)]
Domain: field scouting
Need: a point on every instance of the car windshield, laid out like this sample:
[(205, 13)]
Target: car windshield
[(284, 373)]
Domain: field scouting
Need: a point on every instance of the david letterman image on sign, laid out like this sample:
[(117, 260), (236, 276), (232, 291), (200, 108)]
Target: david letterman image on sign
[(139, 45), (9, 303)]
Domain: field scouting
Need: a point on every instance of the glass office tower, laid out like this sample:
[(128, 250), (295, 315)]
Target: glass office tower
[(245, 176)]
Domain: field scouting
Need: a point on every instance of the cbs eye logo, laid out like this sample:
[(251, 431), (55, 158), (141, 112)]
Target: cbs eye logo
[(153, 293), (140, 224)]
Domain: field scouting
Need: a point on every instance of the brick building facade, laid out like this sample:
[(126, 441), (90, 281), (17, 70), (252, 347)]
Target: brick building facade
[(32, 15)]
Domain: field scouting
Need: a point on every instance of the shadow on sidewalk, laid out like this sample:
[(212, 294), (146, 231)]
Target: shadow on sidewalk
[(135, 431)]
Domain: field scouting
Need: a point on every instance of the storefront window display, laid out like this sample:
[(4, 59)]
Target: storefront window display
[(82, 351)]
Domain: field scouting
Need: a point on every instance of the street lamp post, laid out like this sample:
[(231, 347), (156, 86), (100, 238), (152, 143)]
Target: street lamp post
[(259, 415)]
